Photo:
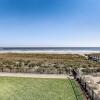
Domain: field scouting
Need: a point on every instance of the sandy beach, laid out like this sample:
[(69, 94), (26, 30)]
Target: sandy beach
[(80, 52)]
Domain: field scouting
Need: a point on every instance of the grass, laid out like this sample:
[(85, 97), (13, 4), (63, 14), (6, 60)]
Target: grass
[(35, 89), (77, 90)]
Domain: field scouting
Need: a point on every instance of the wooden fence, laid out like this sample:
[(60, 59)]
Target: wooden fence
[(84, 85)]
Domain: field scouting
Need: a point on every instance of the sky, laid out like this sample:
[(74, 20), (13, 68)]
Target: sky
[(65, 23)]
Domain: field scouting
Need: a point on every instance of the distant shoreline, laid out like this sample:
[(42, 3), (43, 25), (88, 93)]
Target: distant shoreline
[(51, 50), (81, 52)]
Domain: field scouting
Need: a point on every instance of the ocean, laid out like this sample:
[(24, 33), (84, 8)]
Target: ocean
[(50, 49)]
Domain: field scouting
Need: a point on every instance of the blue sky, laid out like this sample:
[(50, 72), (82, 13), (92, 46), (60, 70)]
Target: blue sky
[(49, 22)]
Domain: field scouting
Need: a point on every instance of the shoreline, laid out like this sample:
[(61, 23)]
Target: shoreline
[(80, 52)]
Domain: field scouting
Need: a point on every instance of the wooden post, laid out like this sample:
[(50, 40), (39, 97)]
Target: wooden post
[(85, 87), (92, 95)]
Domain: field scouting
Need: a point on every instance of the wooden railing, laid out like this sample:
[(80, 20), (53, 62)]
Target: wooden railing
[(84, 85)]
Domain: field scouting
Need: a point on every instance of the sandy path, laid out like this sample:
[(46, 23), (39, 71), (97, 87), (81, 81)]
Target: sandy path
[(62, 76), (95, 81)]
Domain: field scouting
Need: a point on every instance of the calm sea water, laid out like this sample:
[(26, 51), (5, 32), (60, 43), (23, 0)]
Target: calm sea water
[(49, 48)]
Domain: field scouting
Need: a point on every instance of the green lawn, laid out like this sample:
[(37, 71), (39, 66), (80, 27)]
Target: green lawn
[(35, 89)]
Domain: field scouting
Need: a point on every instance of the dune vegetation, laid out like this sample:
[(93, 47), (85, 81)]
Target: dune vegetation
[(43, 63)]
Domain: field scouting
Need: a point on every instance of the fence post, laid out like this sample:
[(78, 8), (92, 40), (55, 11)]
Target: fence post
[(92, 95), (80, 80), (85, 87)]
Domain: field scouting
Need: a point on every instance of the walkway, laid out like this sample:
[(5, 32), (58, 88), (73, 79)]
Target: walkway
[(62, 76)]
